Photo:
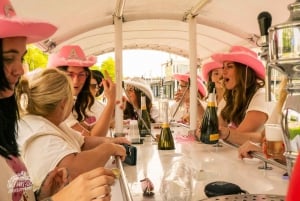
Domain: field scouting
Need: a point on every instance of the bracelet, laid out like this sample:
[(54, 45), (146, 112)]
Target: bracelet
[(228, 135)]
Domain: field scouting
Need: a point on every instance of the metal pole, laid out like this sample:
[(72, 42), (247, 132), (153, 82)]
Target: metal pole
[(193, 71), (119, 72)]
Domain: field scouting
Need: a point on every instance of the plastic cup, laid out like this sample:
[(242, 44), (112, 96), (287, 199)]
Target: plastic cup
[(134, 134)]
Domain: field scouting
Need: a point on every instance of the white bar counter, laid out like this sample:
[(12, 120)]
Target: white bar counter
[(210, 163)]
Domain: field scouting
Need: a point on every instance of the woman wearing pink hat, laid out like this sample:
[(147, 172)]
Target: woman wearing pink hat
[(213, 72), (15, 184), (89, 117), (275, 118), (246, 109), (182, 113)]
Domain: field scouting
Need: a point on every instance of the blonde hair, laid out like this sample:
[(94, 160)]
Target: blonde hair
[(40, 93)]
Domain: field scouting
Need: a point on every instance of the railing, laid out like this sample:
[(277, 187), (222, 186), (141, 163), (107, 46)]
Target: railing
[(257, 155), (123, 181), (126, 195), (260, 156)]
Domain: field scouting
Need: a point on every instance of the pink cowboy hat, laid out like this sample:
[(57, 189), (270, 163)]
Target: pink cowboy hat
[(208, 67), (13, 26), (71, 55), (185, 78), (242, 55)]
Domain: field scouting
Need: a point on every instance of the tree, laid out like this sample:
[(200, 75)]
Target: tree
[(109, 66), (35, 58)]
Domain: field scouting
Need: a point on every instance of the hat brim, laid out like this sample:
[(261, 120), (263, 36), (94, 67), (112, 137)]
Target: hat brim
[(185, 77), (242, 58), (55, 61), (34, 31), (208, 67), (145, 89), (181, 77)]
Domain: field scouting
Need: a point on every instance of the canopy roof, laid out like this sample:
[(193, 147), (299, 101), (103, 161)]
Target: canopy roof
[(154, 24)]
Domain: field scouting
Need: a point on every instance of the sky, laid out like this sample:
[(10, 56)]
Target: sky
[(138, 63)]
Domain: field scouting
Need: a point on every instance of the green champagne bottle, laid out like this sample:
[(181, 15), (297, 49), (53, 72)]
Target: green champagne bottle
[(144, 122), (166, 141), (209, 130)]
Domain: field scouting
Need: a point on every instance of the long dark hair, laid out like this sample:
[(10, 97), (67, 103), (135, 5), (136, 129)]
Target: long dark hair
[(129, 112), (238, 99), (8, 116), (85, 99), (98, 76)]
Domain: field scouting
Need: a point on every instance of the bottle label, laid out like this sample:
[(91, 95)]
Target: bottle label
[(165, 125), (214, 137), (211, 104)]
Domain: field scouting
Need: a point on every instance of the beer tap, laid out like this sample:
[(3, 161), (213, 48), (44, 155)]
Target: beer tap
[(264, 21), (284, 56)]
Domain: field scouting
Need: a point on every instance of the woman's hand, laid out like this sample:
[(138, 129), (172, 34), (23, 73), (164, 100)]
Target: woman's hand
[(119, 150), (54, 181), (93, 185), (109, 88), (224, 132), (116, 140), (245, 149), (120, 140), (178, 95)]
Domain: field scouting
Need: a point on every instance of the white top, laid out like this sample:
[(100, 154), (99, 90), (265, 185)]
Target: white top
[(259, 103), (182, 110), (94, 114), (15, 184), (43, 145), (154, 112), (221, 105)]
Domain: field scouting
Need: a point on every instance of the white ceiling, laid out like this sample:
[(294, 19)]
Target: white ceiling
[(154, 24)]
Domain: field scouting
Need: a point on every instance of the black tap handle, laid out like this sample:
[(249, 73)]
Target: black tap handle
[(264, 21)]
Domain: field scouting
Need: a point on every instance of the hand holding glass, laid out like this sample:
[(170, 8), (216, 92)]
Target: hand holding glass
[(274, 140)]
